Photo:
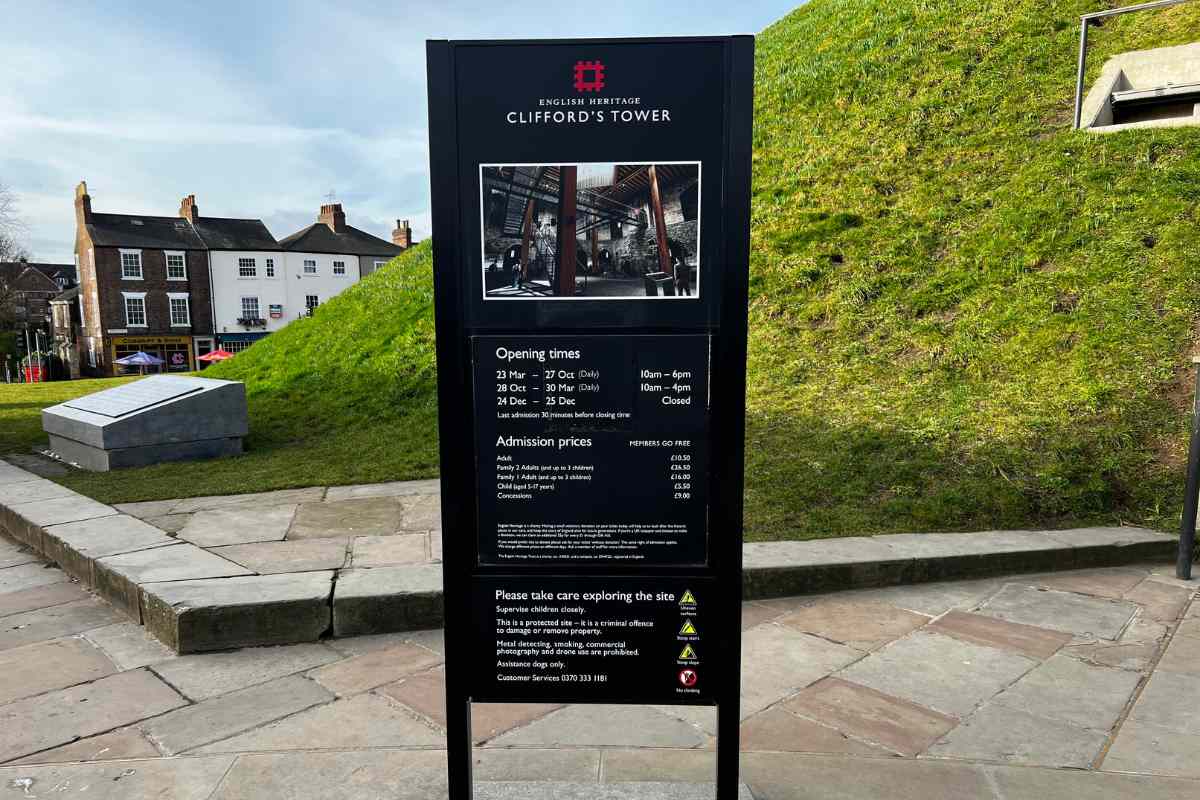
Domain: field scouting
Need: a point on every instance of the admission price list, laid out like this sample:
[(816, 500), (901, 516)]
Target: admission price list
[(568, 425)]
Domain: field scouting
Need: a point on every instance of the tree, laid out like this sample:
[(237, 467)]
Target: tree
[(11, 228)]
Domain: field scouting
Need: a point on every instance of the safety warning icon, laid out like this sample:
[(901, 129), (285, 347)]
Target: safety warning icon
[(688, 600), (688, 654), (688, 629), (688, 678)]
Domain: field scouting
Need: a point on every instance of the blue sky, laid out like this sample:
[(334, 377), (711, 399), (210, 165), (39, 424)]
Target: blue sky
[(259, 108)]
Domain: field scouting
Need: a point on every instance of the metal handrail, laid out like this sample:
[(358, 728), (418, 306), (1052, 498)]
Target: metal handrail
[(1085, 21), (1191, 497)]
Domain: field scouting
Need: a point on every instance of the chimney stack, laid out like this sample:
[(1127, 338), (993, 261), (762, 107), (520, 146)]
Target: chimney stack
[(402, 236), (333, 216), (83, 204), (188, 208)]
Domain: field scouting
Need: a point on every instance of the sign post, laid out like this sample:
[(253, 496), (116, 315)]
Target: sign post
[(591, 241)]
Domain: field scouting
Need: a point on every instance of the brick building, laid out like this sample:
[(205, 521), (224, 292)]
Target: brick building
[(144, 285), (26, 289)]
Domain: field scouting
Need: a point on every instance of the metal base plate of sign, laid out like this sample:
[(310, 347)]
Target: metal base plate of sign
[(591, 245)]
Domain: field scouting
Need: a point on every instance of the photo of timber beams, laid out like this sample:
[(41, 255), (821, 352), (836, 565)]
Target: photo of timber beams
[(635, 230)]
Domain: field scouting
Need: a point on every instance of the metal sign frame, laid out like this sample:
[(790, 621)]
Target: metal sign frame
[(458, 321)]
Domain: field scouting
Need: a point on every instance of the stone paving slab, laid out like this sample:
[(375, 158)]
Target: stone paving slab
[(25, 520), (270, 558), (600, 725), (239, 525), (387, 599), (233, 713), (215, 614), (401, 775), (360, 673), (191, 505), (41, 597), (385, 551), (392, 489), (1068, 690), (118, 578), (607, 791), (862, 625), (207, 675), (362, 721), (1028, 640), (31, 491), (14, 555), (74, 546), (65, 619), (784, 661), (121, 744), (128, 645), (371, 516), (176, 778), (1060, 611), (50, 720), (997, 733), (28, 576), (46, 666)]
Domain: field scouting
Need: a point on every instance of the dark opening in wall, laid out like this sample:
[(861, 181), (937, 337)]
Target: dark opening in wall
[(689, 202)]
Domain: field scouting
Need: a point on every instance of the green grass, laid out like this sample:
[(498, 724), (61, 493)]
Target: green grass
[(964, 314), (21, 409)]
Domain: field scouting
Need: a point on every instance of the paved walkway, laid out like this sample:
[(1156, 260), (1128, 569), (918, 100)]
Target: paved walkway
[(1072, 684)]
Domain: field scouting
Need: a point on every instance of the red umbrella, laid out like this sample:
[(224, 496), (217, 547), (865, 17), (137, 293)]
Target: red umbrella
[(216, 355)]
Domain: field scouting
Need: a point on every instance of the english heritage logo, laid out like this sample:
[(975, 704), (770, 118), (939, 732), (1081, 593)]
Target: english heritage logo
[(589, 76)]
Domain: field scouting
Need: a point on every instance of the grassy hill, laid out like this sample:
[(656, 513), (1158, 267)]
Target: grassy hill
[(964, 314)]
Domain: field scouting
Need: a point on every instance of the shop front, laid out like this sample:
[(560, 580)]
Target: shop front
[(175, 351), (237, 342)]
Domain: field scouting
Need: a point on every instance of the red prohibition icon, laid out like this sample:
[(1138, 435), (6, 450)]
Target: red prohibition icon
[(688, 678)]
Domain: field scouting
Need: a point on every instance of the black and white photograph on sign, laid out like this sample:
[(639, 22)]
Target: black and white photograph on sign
[(597, 231)]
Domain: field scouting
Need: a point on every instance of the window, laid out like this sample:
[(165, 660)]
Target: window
[(176, 267), (131, 265), (250, 308), (247, 268), (311, 302), (339, 268), (310, 266), (379, 264), (270, 268), (135, 309), (181, 316)]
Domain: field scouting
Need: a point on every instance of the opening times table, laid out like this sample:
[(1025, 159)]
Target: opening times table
[(592, 449)]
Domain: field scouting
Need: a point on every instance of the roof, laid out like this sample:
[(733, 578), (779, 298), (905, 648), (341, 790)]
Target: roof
[(26, 277), (319, 238), (235, 234), (132, 230), (67, 296), (53, 271)]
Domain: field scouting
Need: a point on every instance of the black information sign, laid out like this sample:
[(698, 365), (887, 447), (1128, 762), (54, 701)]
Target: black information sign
[(591, 242)]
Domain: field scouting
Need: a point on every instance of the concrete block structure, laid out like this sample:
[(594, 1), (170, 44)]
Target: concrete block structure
[(161, 418)]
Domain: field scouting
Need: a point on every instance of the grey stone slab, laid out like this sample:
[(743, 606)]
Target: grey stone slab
[(29, 576), (62, 509), (387, 599), (216, 614), (421, 512), (46, 666), (1146, 748), (49, 720), (120, 744), (174, 778), (170, 523), (269, 558), (76, 545), (281, 497), (386, 551), (1069, 690), (777, 662), (362, 721), (778, 569), (660, 765), (601, 791), (128, 645), (239, 525), (1182, 656), (392, 489), (14, 554), (32, 491), (147, 509), (203, 676), (117, 578), (996, 733), (363, 672), (1170, 701), (54, 594), (364, 775), (604, 725), (932, 599), (43, 624), (230, 714), (368, 516), (41, 465), (10, 473), (787, 776), (1060, 611), (527, 764), (1017, 783), (99, 459), (1097, 546), (939, 672)]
